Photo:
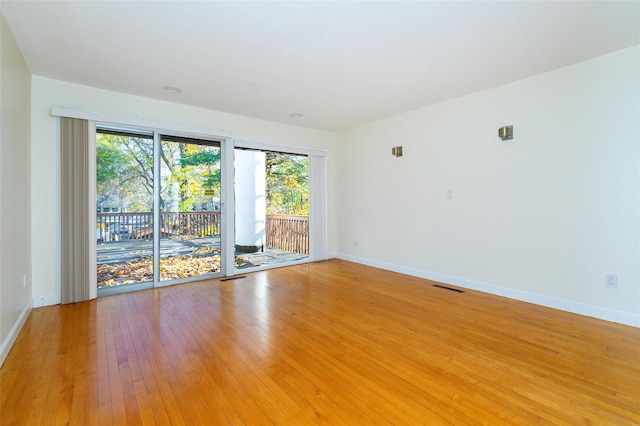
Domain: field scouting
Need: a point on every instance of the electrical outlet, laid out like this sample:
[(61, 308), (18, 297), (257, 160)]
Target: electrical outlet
[(611, 281), (449, 194), (24, 280), (355, 241)]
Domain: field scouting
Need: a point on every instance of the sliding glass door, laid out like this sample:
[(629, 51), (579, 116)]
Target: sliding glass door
[(124, 209), (158, 209), (161, 216), (271, 208), (190, 232)]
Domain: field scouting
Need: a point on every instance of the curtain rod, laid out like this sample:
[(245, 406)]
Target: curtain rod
[(60, 111)]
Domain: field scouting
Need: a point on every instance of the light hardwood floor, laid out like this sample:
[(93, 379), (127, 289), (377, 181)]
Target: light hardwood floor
[(324, 343)]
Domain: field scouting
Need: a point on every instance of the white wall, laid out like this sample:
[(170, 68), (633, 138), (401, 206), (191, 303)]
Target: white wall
[(541, 218), (15, 297), (44, 192)]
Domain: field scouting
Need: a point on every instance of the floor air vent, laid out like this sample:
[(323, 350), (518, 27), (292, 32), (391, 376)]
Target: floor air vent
[(448, 288)]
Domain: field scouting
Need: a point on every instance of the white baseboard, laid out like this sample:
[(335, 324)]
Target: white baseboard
[(45, 300), (606, 314), (6, 345)]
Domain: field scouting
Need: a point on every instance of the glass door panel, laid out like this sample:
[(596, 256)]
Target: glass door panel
[(189, 231), (124, 209), (271, 208)]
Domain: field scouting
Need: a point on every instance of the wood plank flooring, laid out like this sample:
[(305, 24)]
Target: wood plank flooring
[(323, 343)]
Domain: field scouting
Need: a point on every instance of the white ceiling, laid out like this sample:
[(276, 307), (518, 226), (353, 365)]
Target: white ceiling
[(340, 64)]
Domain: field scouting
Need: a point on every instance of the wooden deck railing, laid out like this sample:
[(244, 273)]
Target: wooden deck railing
[(191, 224), (288, 233), (139, 226), (283, 232)]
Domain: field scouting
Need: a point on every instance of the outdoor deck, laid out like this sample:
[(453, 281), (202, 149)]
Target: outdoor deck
[(283, 232), (116, 252), (189, 245)]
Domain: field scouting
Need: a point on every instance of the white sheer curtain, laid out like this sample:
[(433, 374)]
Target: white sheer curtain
[(77, 226)]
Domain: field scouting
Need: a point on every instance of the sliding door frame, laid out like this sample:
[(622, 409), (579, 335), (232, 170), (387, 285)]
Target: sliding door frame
[(317, 201), (224, 172), (156, 209), (228, 207), (157, 136)]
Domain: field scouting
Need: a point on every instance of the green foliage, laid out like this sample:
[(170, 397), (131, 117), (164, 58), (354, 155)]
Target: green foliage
[(111, 161), (124, 174), (188, 171), (287, 184), (199, 158), (207, 165)]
